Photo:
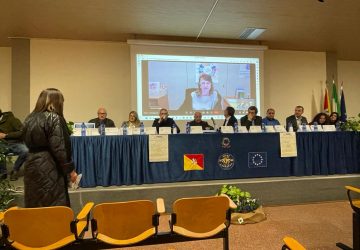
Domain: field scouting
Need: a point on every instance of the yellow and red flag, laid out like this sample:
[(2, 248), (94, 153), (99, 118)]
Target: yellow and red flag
[(327, 108), (193, 162)]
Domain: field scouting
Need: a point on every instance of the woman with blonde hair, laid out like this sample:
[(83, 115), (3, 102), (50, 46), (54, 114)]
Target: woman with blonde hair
[(48, 166), (133, 121)]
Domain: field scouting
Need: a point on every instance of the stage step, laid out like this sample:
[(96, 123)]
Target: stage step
[(271, 191)]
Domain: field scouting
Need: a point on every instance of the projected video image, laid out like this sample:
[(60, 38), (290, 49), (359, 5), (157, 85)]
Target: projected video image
[(185, 86)]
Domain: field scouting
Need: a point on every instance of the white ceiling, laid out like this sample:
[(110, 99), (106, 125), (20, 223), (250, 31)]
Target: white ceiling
[(309, 25)]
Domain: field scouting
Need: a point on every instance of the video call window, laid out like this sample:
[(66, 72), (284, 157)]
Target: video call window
[(185, 84)]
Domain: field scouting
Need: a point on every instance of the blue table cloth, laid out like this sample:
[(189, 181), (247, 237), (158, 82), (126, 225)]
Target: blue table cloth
[(124, 160)]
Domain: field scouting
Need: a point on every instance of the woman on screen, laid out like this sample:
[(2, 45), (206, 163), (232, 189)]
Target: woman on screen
[(133, 121), (205, 97)]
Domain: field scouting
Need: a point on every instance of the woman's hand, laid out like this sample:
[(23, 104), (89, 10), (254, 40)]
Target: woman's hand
[(73, 176)]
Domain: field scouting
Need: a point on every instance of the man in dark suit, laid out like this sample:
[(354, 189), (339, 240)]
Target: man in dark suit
[(102, 119), (230, 118), (251, 119), (198, 122), (164, 121), (296, 119)]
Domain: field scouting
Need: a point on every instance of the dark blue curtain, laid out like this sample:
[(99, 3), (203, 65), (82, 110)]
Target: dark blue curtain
[(123, 160)]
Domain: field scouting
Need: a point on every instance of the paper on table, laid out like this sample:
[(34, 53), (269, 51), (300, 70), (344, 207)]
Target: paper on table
[(158, 148), (288, 144), (227, 129), (164, 131), (196, 130)]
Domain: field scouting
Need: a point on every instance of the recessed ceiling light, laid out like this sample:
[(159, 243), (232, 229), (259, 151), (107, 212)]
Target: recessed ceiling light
[(251, 33)]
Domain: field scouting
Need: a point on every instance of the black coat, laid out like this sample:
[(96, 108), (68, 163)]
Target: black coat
[(49, 160), (231, 121), (169, 122), (244, 121), (108, 122), (292, 119)]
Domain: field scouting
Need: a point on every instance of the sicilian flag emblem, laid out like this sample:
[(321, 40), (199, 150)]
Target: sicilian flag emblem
[(193, 162)]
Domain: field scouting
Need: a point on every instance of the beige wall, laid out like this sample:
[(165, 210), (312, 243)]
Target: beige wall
[(5, 78), (90, 74), (294, 78), (349, 74)]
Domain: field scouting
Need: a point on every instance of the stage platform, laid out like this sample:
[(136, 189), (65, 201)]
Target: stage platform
[(271, 191)]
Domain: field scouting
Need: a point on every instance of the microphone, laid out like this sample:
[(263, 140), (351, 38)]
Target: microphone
[(213, 121)]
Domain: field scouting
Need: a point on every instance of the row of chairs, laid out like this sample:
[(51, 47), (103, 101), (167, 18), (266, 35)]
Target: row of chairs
[(116, 224)]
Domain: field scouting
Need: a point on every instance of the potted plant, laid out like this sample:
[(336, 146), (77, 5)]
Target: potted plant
[(352, 124), (6, 194), (6, 189), (70, 126), (3, 151), (249, 210)]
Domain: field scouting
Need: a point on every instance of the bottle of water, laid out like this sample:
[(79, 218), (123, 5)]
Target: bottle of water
[(263, 127), (337, 126), (102, 129), (187, 128), (124, 130), (290, 127), (173, 129), (316, 127), (142, 130), (83, 129), (303, 127), (236, 127)]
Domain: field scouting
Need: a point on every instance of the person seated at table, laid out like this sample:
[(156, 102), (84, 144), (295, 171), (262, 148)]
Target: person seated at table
[(11, 131), (296, 119), (164, 121), (230, 118), (133, 121), (334, 118), (321, 119), (102, 119), (269, 120), (198, 122), (251, 119)]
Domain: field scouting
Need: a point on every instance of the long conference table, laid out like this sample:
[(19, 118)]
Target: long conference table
[(124, 160)]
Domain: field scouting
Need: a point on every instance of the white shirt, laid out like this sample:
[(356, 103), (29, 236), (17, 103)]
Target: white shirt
[(204, 102), (227, 120)]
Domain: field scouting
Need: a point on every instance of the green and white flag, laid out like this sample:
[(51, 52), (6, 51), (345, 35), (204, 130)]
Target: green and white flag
[(335, 99)]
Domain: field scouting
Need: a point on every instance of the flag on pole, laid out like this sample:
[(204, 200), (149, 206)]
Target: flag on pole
[(327, 108), (335, 100), (343, 115)]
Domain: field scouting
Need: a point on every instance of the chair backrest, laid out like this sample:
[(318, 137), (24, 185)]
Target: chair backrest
[(355, 204), (39, 227), (124, 220), (292, 244), (201, 214)]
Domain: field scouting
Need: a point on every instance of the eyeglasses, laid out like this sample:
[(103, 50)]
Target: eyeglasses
[(101, 113)]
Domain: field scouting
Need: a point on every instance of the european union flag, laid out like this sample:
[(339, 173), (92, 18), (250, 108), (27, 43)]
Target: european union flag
[(257, 159), (343, 115)]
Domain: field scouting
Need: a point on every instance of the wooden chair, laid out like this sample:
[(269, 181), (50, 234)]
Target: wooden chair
[(44, 228), (126, 223), (355, 205), (292, 244), (202, 218)]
